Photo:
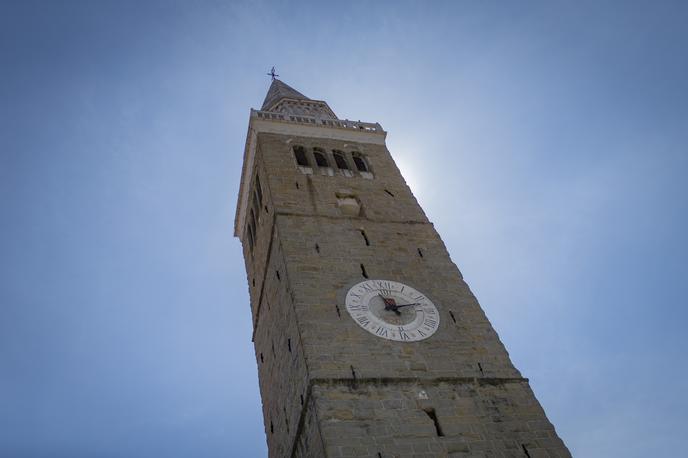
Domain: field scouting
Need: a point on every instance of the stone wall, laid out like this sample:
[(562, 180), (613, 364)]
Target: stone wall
[(330, 388), (477, 418)]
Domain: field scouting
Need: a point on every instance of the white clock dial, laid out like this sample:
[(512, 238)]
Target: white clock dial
[(392, 310)]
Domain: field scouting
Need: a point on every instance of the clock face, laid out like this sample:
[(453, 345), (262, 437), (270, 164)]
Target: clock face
[(392, 310)]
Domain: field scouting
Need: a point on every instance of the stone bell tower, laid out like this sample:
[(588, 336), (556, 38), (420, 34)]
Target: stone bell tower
[(368, 341)]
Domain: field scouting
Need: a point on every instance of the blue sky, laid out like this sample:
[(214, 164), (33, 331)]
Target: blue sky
[(546, 140)]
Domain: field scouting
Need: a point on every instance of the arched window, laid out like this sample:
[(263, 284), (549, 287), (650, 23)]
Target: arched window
[(340, 160), (300, 155), (320, 158), (360, 162)]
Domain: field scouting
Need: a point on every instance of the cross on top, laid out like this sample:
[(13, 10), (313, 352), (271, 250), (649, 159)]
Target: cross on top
[(272, 73)]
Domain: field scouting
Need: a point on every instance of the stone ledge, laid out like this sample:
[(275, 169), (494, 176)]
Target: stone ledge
[(337, 217), (412, 380)]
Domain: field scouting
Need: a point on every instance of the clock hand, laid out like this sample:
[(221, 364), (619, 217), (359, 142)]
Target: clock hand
[(389, 304), (406, 305)]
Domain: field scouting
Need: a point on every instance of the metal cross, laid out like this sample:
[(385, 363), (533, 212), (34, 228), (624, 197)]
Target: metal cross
[(272, 73)]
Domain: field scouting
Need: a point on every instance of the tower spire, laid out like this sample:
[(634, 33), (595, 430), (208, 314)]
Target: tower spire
[(279, 90)]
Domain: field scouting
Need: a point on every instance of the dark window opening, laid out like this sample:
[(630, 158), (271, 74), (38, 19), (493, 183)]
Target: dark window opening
[(433, 417), (250, 239), (254, 282), (480, 366), (266, 209), (300, 155), (420, 252), (389, 193), (340, 160), (253, 223), (278, 275), (272, 428), (256, 204), (273, 350), (317, 248), (525, 450), (297, 185), (339, 314), (451, 314), (259, 191), (301, 399), (252, 231), (289, 345), (360, 163), (365, 237), (363, 271), (320, 158), (261, 358)]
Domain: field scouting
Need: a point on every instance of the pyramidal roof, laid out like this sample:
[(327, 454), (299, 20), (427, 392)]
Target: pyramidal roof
[(279, 90)]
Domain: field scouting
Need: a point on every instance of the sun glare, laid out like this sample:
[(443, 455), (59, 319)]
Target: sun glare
[(409, 169)]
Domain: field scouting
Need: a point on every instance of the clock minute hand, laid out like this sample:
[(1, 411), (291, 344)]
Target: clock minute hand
[(407, 305)]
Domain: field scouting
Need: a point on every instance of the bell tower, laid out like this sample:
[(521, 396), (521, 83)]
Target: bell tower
[(368, 341)]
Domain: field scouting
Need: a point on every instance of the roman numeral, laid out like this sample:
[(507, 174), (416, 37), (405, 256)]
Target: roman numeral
[(431, 323), (385, 287), (403, 334), (358, 308), (367, 288), (420, 331), (382, 332), (363, 321)]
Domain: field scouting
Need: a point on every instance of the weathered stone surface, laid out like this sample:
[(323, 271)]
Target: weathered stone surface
[(330, 388)]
